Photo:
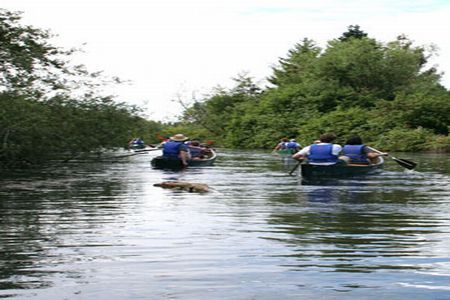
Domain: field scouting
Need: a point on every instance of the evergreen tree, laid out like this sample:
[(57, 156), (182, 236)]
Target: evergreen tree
[(353, 32)]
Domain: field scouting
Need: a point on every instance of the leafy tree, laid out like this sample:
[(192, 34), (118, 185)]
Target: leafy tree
[(42, 114), (356, 85), (215, 112)]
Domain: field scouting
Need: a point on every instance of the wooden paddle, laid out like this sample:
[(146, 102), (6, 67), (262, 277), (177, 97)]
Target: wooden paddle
[(402, 162)]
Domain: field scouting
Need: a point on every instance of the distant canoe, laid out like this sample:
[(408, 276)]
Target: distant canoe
[(137, 146), (310, 171), (161, 162), (285, 152)]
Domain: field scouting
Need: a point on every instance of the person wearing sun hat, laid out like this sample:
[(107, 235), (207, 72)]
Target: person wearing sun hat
[(175, 148)]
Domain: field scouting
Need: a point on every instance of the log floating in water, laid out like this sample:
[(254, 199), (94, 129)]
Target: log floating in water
[(186, 186)]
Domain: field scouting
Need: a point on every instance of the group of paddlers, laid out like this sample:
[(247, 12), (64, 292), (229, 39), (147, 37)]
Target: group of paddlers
[(180, 147), (325, 152), (322, 152), (177, 147)]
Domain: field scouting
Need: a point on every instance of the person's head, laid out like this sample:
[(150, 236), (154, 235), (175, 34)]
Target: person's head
[(285, 140), (195, 143), (354, 140), (293, 140), (327, 137), (179, 138)]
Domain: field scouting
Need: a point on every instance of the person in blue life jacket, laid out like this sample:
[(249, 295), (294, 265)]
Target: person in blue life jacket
[(293, 146), (355, 152), (322, 152), (290, 145), (195, 150), (282, 144), (175, 148), (136, 143)]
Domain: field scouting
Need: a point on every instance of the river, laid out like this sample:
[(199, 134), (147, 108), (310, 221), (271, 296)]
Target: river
[(101, 230)]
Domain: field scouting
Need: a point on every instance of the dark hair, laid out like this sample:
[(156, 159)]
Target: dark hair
[(354, 140), (327, 137)]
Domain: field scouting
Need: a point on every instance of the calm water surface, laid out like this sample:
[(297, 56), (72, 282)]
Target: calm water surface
[(101, 230)]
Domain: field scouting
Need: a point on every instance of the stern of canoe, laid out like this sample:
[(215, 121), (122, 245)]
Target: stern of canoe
[(161, 162), (339, 170)]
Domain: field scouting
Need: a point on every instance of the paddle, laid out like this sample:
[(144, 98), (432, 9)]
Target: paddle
[(145, 150), (402, 162), (295, 168)]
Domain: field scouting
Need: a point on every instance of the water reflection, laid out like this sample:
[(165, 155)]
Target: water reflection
[(41, 212), (361, 225)]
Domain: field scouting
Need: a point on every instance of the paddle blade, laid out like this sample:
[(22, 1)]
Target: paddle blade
[(405, 163), (295, 168)]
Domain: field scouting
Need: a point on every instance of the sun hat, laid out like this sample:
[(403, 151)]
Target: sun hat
[(179, 137)]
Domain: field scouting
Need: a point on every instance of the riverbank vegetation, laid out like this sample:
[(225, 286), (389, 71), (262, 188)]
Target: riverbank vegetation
[(49, 108), (385, 92)]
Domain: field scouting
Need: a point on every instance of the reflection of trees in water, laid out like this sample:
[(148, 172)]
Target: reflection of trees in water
[(38, 210), (353, 230)]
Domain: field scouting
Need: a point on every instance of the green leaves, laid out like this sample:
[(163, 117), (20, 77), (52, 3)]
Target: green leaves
[(383, 92), (40, 118)]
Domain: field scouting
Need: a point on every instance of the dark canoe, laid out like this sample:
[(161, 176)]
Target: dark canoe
[(333, 171), (160, 162)]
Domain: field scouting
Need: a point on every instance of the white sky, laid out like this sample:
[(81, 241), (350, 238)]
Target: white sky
[(169, 48)]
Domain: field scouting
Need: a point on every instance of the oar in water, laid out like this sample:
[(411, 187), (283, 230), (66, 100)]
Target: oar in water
[(295, 167), (145, 150), (402, 162)]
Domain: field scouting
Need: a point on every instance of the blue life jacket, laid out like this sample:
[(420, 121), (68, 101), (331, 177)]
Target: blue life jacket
[(137, 144), (171, 149), (292, 145), (355, 153), (195, 151), (282, 145), (322, 154)]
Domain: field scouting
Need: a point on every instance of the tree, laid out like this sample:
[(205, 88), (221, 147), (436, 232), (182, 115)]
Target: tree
[(298, 65), (356, 85), (215, 112), (353, 32), (42, 114)]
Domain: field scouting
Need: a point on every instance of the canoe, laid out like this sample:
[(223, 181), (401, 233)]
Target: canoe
[(161, 162), (136, 146), (285, 152), (345, 170)]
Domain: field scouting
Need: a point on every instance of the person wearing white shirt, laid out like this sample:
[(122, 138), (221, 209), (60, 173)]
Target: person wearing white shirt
[(323, 152)]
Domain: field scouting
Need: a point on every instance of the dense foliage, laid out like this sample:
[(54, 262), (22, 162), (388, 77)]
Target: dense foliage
[(50, 109), (356, 85)]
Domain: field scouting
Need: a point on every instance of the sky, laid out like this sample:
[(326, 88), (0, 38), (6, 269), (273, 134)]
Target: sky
[(182, 49)]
